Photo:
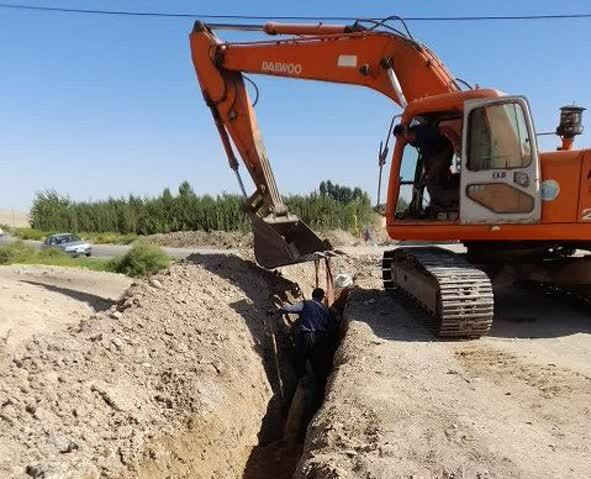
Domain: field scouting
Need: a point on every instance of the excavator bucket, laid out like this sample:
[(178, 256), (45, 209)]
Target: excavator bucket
[(285, 241)]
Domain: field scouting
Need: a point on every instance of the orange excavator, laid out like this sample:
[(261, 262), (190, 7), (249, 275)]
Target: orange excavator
[(477, 176)]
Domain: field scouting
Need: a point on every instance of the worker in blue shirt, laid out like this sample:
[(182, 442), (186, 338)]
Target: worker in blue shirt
[(311, 332)]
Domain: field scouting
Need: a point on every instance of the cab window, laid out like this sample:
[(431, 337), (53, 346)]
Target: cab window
[(498, 138), (410, 176)]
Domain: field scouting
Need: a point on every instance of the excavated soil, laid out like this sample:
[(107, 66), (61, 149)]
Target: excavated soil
[(180, 379), (201, 239), (233, 239), (177, 380), (402, 404), (339, 238), (40, 299)]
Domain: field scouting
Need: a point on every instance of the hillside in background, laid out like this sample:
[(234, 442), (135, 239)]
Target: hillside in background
[(18, 219)]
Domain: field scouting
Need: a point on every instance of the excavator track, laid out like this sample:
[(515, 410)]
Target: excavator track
[(457, 296)]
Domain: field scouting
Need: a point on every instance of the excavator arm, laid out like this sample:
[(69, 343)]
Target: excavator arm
[(390, 63)]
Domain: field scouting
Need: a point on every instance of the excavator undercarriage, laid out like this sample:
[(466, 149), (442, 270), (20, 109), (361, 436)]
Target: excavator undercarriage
[(458, 296), (457, 290)]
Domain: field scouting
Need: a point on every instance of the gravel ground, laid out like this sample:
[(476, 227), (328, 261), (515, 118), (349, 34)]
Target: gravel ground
[(173, 381), (401, 404), (177, 379), (41, 299)]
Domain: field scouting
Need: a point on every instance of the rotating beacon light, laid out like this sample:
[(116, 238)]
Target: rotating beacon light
[(571, 125)]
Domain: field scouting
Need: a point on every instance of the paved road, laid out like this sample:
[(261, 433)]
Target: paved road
[(112, 250)]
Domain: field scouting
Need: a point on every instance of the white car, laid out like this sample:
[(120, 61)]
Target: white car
[(70, 243)]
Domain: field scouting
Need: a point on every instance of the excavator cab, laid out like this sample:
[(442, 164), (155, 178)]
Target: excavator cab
[(501, 174), (487, 171)]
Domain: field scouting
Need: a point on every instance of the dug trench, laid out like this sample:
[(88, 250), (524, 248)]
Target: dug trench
[(185, 376)]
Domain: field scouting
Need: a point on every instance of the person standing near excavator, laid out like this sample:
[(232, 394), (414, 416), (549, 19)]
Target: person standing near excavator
[(312, 333), (437, 153)]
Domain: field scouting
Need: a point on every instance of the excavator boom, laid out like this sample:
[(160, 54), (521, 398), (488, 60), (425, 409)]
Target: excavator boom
[(388, 62)]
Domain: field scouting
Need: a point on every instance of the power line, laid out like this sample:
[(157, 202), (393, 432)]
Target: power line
[(103, 12), (566, 16), (294, 18)]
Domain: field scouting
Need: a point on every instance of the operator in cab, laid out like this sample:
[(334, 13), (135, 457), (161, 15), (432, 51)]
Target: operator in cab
[(437, 153), (312, 332)]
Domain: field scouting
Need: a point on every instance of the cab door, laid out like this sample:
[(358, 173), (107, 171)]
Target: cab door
[(500, 174)]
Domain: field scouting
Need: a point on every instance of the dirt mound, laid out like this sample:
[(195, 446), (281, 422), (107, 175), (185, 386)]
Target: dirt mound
[(233, 239), (203, 239), (40, 299), (340, 238), (401, 404), (176, 381), (370, 235)]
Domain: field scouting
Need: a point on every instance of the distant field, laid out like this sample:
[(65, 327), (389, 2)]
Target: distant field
[(14, 218)]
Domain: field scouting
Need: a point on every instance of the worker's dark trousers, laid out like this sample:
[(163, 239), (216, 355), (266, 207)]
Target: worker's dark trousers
[(313, 347)]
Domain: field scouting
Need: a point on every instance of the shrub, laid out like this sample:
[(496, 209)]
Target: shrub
[(15, 252), (19, 252), (28, 233), (52, 253), (141, 260), (100, 238), (127, 239)]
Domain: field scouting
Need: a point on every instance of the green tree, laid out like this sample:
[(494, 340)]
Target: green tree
[(334, 206)]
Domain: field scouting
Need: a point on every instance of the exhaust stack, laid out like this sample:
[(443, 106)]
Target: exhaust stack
[(571, 125)]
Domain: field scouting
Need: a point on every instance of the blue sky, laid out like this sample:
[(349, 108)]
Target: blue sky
[(96, 106)]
